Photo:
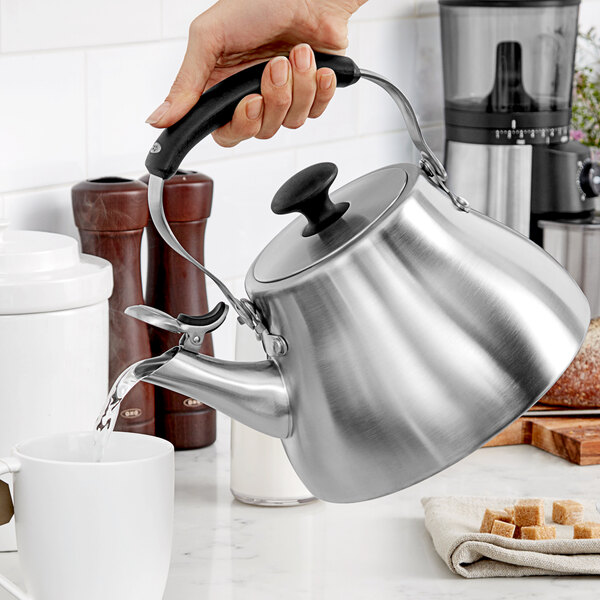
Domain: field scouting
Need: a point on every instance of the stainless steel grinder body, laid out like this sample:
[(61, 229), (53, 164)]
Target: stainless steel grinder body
[(575, 244), (508, 74)]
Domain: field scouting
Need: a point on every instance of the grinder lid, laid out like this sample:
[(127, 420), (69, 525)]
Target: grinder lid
[(329, 222)]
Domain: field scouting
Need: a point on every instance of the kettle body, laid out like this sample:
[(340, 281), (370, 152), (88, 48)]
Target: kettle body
[(410, 347), (403, 330)]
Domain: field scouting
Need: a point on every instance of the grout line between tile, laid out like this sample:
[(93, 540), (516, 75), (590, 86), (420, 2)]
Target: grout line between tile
[(86, 128), (112, 46)]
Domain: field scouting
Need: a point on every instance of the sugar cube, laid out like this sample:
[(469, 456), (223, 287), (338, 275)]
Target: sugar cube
[(567, 512), (510, 511), (538, 532), (490, 516), (529, 512), (503, 529), (586, 531)]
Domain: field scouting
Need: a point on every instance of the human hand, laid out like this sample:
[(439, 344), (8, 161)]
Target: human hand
[(235, 34)]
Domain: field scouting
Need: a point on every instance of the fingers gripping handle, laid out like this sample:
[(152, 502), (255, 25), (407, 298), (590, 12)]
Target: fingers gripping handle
[(8, 465), (216, 107)]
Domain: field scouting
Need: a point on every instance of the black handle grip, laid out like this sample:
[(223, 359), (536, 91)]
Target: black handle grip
[(216, 107), (204, 320)]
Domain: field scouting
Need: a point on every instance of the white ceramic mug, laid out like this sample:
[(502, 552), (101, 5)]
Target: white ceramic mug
[(92, 530)]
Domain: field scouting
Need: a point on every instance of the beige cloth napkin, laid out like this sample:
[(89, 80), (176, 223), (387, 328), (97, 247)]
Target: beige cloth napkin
[(453, 523)]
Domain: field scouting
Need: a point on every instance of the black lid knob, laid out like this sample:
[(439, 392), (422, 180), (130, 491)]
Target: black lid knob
[(589, 179), (307, 192)]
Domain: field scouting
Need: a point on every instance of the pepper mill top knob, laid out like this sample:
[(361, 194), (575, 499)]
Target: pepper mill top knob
[(110, 204)]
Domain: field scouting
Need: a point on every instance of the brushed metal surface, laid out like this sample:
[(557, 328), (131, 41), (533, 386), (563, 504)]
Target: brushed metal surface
[(250, 392), (417, 344), (495, 180), (575, 244), (407, 351), (369, 196)]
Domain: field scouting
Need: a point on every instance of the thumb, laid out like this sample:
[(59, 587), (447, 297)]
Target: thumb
[(198, 63)]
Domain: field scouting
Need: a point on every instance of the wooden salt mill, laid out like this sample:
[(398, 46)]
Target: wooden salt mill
[(111, 213), (176, 286)]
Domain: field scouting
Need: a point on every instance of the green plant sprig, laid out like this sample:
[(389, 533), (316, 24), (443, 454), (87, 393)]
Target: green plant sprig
[(585, 121)]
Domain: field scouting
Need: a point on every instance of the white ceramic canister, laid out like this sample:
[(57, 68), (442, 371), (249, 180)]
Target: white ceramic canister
[(261, 472), (53, 339)]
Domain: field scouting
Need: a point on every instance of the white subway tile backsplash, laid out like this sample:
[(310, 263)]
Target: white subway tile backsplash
[(358, 156), (388, 48), (43, 119), (435, 138), (386, 9), (43, 24), (178, 14), (429, 96), (124, 86), (427, 7), (241, 222), (43, 210), (589, 14)]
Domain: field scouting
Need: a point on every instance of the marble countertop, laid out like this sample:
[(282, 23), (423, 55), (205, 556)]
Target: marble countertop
[(225, 550)]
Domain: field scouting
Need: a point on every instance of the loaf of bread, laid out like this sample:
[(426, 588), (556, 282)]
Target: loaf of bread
[(579, 386)]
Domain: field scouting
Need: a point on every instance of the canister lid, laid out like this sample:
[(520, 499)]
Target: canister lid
[(44, 272), (330, 222)]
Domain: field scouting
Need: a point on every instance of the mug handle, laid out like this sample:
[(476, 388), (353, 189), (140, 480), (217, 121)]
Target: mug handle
[(11, 465)]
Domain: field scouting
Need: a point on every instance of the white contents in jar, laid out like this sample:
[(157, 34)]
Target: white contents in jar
[(261, 472)]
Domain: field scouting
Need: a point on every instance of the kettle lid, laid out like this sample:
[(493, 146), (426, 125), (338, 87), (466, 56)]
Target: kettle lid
[(329, 222)]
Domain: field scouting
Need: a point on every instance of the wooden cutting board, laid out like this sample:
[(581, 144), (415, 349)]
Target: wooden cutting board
[(576, 439)]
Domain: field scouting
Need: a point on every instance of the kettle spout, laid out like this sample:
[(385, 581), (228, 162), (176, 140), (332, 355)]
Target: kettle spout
[(252, 393)]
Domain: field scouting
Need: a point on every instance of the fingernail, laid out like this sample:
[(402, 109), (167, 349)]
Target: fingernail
[(302, 58), (158, 113), (280, 71), (254, 108), (326, 81)]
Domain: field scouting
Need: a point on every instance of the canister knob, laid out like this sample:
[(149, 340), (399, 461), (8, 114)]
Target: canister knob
[(307, 192)]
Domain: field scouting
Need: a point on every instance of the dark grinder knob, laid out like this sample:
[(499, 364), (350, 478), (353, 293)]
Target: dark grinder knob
[(589, 179), (307, 192)]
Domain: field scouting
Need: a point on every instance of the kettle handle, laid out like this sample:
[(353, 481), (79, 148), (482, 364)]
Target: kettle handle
[(216, 107)]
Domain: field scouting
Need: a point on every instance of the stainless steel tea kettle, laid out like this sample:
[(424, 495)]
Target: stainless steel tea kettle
[(403, 329)]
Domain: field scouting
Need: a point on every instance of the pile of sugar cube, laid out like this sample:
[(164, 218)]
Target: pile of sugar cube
[(526, 520)]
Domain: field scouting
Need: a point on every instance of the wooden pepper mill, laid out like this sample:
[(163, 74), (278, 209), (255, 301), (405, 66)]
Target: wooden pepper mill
[(176, 286), (111, 214)]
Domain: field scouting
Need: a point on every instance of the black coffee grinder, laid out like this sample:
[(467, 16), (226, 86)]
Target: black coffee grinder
[(508, 75)]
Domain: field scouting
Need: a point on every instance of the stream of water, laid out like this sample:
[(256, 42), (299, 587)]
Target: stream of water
[(105, 423)]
